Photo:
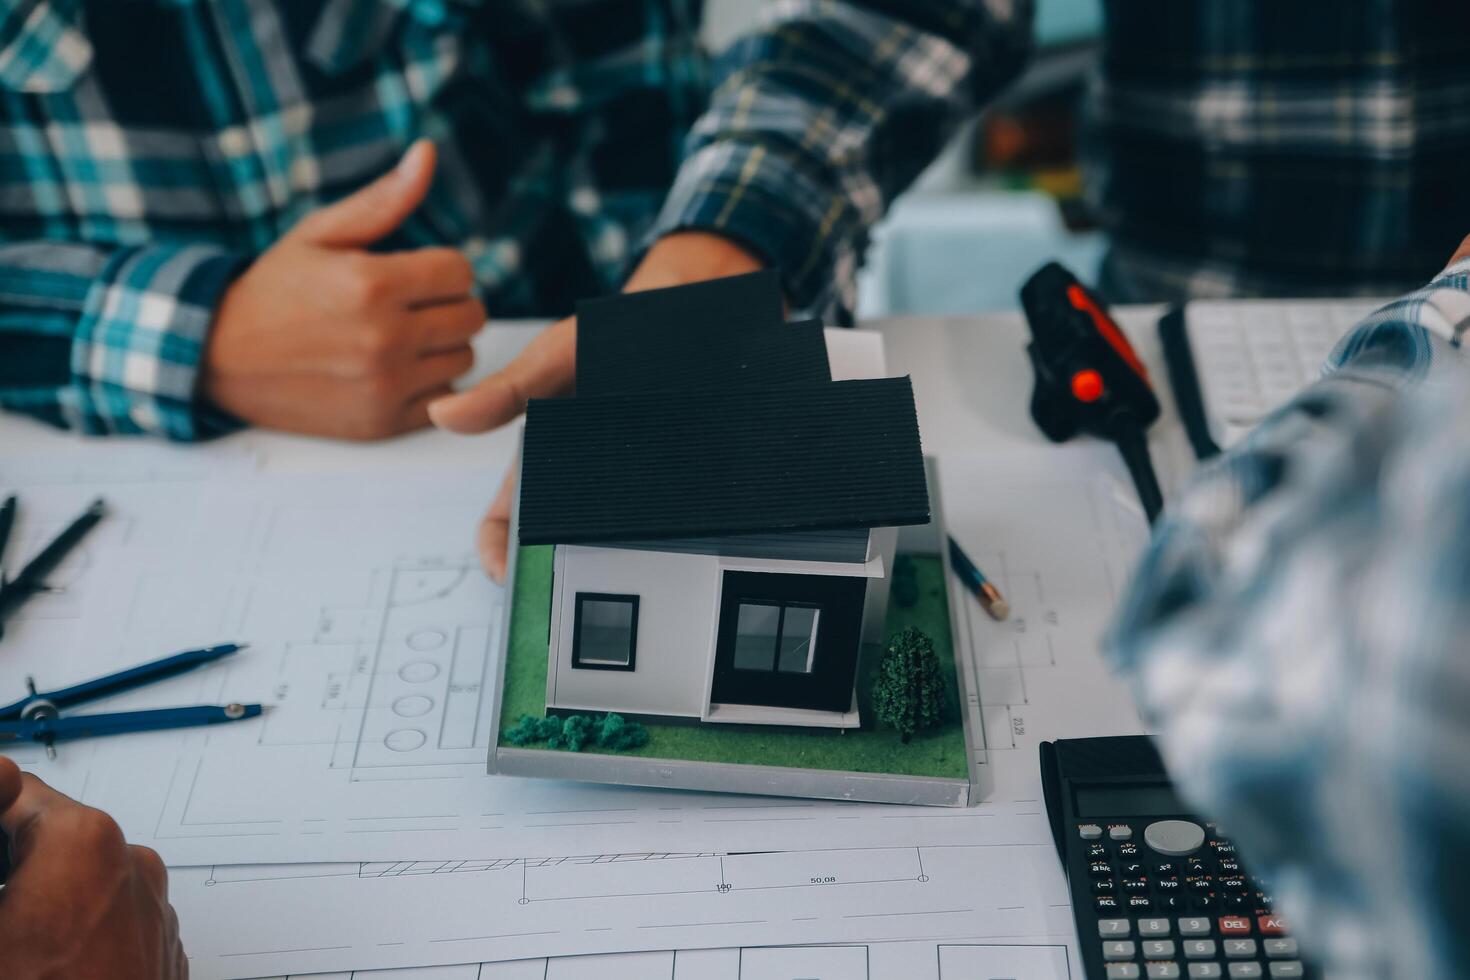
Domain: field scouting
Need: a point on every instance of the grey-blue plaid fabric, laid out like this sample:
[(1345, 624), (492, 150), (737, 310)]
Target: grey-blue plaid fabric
[(1270, 148), (150, 148), (1297, 632)]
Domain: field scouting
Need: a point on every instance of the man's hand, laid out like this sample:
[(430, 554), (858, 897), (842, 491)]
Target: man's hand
[(548, 365), (80, 903), (323, 337)]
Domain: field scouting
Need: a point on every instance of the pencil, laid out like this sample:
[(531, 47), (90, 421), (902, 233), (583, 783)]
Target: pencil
[(990, 598)]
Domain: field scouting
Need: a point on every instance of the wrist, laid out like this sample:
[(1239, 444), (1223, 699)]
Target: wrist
[(691, 256)]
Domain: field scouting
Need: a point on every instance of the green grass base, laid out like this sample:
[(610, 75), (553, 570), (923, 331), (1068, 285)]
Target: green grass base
[(938, 753)]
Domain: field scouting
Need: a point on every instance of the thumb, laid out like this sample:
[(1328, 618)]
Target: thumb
[(379, 208), (546, 367)]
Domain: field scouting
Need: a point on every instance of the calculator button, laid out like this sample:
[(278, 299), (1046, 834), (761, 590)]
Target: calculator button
[(1237, 903), (1199, 949), (1239, 949), (1234, 925), (1279, 948), (1123, 971), (1120, 949), (1135, 885), (1201, 883), (1158, 949), (1113, 928), (1194, 926), (1166, 869), (1222, 848), (1139, 903), (1230, 868), (1234, 884), (1089, 831), (1120, 831), (1284, 968), (1153, 927), (1103, 885), (1174, 838), (1205, 971), (1163, 971), (1107, 905), (1132, 870), (1128, 850), (1100, 869), (1167, 884), (1271, 925), (1202, 903), (1245, 971), (1170, 903), (1097, 852)]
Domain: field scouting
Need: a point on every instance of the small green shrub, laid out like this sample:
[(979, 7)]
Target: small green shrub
[(908, 692), (573, 733)]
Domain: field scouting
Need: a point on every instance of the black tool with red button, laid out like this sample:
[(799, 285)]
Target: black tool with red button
[(1088, 378)]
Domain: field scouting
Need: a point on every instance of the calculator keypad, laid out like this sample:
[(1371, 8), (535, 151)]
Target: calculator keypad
[(1179, 913)]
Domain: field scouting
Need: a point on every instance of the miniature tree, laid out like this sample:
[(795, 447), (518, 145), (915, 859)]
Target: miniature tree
[(905, 589), (908, 692)]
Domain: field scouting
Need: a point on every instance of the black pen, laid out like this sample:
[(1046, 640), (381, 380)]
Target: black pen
[(31, 579), (7, 521), (975, 580)]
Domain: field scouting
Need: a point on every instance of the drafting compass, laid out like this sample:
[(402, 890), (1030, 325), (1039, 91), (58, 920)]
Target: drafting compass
[(37, 717)]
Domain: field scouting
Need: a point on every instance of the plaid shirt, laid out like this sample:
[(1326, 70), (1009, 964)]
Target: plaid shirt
[(1297, 635), (150, 148), (1279, 148)]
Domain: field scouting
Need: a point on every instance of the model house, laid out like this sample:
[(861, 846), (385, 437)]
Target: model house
[(724, 514)]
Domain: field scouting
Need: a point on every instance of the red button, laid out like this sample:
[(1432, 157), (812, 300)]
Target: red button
[(1087, 385), (1234, 925), (1271, 925)]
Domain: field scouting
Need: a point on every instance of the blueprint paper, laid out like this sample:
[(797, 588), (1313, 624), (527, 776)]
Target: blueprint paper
[(372, 632), (249, 921), (964, 959)]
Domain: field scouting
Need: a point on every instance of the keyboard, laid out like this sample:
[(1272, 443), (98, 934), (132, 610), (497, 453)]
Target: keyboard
[(1253, 356)]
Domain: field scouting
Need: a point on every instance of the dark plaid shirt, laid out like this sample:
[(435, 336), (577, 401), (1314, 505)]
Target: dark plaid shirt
[(1281, 147), (150, 148)]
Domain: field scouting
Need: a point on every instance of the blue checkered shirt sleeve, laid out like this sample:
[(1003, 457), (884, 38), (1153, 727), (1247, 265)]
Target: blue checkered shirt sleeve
[(1295, 635), (823, 113), (110, 340)]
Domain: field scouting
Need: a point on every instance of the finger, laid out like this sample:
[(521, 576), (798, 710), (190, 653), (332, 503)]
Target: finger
[(415, 414), (448, 326), (1461, 252), (150, 869), (436, 372), (493, 537), (9, 783), (34, 801), (376, 210), (427, 275), (547, 367)]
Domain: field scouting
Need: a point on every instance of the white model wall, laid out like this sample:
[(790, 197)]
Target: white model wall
[(677, 594)]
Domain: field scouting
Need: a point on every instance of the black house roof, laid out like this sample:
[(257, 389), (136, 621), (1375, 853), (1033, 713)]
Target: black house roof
[(677, 464), (700, 413), (723, 333)]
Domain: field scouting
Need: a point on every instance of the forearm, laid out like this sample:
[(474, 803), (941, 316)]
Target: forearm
[(823, 113), (1291, 619), (109, 340)]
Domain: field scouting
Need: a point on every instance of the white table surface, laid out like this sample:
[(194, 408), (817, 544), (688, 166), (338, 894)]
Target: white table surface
[(971, 379)]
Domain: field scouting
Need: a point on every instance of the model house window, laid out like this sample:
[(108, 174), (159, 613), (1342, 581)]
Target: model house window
[(605, 631), (776, 637)]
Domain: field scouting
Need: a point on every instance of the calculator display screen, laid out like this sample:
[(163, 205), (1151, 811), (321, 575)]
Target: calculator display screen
[(1134, 800)]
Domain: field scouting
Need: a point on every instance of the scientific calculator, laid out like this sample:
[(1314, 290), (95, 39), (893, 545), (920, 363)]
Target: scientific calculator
[(1157, 893)]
